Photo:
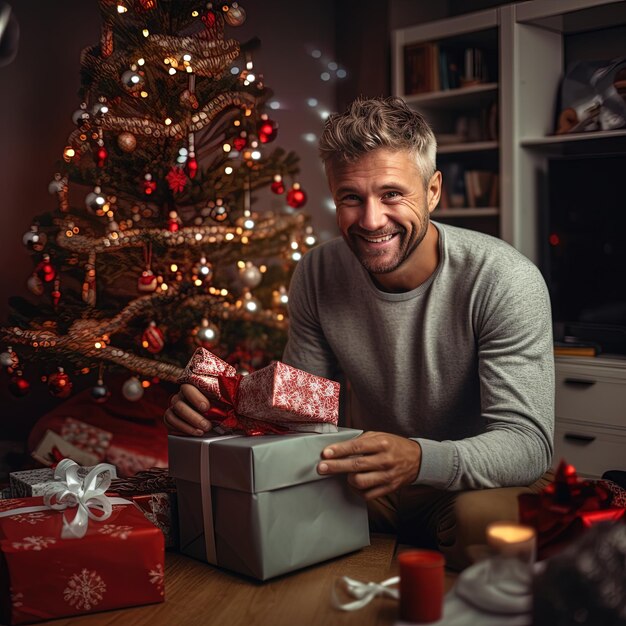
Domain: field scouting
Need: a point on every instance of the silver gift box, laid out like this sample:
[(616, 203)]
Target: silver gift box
[(272, 512)]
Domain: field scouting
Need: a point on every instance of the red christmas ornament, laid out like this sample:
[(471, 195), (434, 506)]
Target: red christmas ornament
[(102, 155), (149, 186), (59, 384), (278, 187), (296, 198), (192, 166), (267, 130), (147, 282), (18, 385), (152, 339), (176, 179), (45, 270), (240, 143), (209, 19), (173, 224), (56, 293)]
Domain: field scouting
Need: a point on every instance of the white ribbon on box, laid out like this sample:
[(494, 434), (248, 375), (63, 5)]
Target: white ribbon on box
[(207, 500), (86, 494)]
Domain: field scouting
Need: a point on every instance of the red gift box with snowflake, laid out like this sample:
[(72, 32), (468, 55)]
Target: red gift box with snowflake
[(275, 399), (154, 492), (76, 551)]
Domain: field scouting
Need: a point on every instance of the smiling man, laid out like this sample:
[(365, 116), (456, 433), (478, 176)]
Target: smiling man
[(442, 338)]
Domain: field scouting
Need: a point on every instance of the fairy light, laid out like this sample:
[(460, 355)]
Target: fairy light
[(164, 287), (229, 236), (241, 264), (173, 267), (294, 245), (255, 154), (223, 292), (296, 256), (197, 282), (172, 71), (168, 121), (121, 8), (198, 236), (194, 13), (228, 170), (145, 32), (141, 61), (227, 147), (249, 224), (144, 94)]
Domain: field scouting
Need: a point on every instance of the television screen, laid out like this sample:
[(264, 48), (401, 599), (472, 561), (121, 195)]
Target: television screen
[(585, 260)]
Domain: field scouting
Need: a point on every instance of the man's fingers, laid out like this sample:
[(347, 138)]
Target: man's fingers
[(193, 396), (367, 443), (175, 423), (350, 465), (180, 411)]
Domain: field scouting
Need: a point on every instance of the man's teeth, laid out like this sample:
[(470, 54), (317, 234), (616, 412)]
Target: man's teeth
[(378, 239)]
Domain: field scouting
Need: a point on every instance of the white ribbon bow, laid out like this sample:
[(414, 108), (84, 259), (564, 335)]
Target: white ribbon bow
[(364, 592), (86, 494)]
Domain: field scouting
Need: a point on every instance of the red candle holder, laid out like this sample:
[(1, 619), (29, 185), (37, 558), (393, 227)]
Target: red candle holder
[(421, 585)]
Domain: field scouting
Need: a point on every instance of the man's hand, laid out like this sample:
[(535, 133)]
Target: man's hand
[(185, 413), (376, 463)]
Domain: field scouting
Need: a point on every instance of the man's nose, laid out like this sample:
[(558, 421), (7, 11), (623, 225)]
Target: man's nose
[(373, 216)]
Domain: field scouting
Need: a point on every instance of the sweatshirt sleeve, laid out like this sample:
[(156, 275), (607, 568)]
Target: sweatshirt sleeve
[(516, 371)]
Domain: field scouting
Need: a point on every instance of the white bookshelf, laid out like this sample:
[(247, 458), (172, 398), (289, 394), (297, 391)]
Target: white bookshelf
[(535, 41)]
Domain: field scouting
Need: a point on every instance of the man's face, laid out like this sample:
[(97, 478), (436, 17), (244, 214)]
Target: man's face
[(382, 207)]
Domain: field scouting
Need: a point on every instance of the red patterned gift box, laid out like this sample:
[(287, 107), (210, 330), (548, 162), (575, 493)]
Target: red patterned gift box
[(129, 461), (275, 399), (118, 562), (566, 508), (154, 492), (86, 437)]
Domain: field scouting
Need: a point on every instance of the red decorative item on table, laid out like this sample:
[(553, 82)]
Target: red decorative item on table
[(85, 551), (273, 400), (565, 508)]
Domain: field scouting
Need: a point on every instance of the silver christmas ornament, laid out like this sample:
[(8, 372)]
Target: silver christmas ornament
[(235, 16), (250, 275), (132, 81), (80, 117), (132, 389), (34, 240), (207, 335), (99, 110), (100, 392), (94, 200)]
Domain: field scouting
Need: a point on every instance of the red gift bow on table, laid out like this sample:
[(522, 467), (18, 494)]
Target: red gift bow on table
[(220, 382), (565, 507)]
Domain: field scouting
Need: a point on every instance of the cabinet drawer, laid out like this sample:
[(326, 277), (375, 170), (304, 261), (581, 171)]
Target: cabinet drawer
[(592, 451), (588, 397)]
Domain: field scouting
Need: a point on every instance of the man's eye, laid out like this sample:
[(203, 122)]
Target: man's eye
[(393, 194), (351, 197)]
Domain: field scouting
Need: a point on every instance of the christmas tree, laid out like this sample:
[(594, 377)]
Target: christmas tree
[(154, 246)]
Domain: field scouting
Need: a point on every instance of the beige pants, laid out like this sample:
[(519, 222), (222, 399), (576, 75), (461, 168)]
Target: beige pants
[(449, 521)]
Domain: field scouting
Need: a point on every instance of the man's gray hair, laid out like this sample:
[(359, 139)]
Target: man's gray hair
[(372, 123)]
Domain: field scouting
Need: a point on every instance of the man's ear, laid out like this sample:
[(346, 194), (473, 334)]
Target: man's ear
[(434, 191)]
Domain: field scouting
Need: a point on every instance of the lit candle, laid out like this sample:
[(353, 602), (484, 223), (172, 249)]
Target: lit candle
[(512, 540)]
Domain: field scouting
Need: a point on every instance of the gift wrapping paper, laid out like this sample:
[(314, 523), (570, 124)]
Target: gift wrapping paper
[(52, 448), (86, 437), (257, 506), (118, 563), (565, 508), (129, 462), (277, 398), (154, 492), (40, 481)]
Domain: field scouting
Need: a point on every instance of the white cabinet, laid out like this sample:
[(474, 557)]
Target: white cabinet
[(533, 42), (590, 430)]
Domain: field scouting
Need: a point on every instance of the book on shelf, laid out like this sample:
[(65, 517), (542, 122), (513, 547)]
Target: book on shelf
[(454, 195), (421, 68), (481, 188), (430, 66)]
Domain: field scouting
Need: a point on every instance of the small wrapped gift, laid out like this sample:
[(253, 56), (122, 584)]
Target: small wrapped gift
[(257, 506), (86, 437), (76, 551), (275, 399), (130, 461), (154, 492), (565, 508), (53, 447), (41, 481)]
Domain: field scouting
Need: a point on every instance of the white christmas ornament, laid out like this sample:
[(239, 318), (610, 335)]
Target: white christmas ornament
[(132, 389)]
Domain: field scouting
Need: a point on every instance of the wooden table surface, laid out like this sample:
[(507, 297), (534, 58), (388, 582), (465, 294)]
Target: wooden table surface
[(197, 593)]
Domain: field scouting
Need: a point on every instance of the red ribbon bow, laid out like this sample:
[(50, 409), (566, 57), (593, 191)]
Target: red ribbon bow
[(224, 411), (565, 508)]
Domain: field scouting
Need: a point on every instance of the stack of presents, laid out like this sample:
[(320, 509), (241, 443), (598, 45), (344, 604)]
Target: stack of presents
[(249, 500)]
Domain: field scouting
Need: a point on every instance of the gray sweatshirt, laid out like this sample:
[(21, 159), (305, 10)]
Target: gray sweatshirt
[(463, 364)]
